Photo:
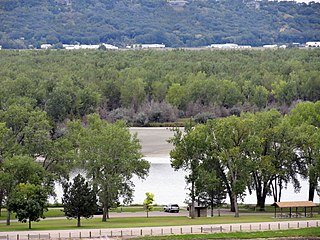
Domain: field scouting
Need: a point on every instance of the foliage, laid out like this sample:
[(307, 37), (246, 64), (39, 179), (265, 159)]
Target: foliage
[(143, 87), (111, 156), (21, 169), (148, 202), (197, 23), (28, 201), (79, 200), (188, 154)]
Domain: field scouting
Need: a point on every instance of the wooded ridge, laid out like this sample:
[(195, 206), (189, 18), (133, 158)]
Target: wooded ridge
[(28, 24)]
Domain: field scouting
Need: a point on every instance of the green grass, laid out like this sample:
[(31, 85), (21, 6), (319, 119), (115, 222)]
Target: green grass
[(136, 222), (134, 209), (304, 232), (57, 212)]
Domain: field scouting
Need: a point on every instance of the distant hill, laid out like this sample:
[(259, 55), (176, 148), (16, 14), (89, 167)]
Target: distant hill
[(176, 23)]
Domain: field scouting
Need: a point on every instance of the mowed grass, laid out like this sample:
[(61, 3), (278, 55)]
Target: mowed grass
[(304, 232), (58, 212), (62, 224)]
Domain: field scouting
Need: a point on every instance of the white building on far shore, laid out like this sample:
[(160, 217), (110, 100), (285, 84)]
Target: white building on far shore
[(96, 46), (45, 46), (313, 44), (229, 46), (270, 46), (146, 46)]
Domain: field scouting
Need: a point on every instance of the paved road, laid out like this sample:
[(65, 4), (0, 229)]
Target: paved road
[(147, 231)]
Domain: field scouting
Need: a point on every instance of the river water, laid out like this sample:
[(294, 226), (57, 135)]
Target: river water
[(168, 185)]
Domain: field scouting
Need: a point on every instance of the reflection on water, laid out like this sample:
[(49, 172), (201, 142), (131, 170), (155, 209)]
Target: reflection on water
[(169, 186)]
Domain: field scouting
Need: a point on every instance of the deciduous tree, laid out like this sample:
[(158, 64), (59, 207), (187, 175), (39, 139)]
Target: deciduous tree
[(29, 202), (110, 156)]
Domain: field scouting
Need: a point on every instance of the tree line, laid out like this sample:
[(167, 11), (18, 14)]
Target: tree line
[(261, 152), (33, 156), (144, 87), (126, 22)]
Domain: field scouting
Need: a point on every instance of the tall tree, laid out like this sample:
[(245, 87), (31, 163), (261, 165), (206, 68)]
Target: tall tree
[(110, 156), (263, 169), (188, 154), (79, 199), (305, 118), (229, 142)]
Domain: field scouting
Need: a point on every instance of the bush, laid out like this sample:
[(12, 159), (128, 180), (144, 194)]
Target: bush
[(203, 117)]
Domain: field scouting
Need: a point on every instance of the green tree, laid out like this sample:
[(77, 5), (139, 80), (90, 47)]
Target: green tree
[(230, 139), (263, 164), (148, 202), (304, 117), (260, 97), (188, 154), (176, 95), (79, 200), (29, 202), (133, 93), (111, 156), (20, 169), (210, 188)]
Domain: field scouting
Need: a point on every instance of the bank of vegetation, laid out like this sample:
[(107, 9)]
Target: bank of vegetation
[(192, 23), (60, 109), (143, 87)]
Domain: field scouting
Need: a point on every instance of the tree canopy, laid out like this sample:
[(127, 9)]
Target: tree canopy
[(79, 199), (127, 22)]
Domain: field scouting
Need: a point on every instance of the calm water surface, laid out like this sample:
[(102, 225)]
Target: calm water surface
[(168, 185)]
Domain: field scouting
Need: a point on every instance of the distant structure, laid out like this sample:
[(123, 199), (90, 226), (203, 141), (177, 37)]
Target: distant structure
[(79, 46), (65, 2), (146, 46), (0, 47), (270, 46), (179, 3), (313, 44), (229, 46), (45, 46)]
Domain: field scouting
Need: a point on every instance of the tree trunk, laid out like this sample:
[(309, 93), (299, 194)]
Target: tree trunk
[(312, 188), (29, 223), (1, 200), (104, 215), (236, 214), (8, 217), (261, 203), (192, 212), (232, 205), (104, 212), (211, 202), (78, 221)]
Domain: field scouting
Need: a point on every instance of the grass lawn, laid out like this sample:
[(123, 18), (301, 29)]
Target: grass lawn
[(57, 212), (136, 222), (304, 232)]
